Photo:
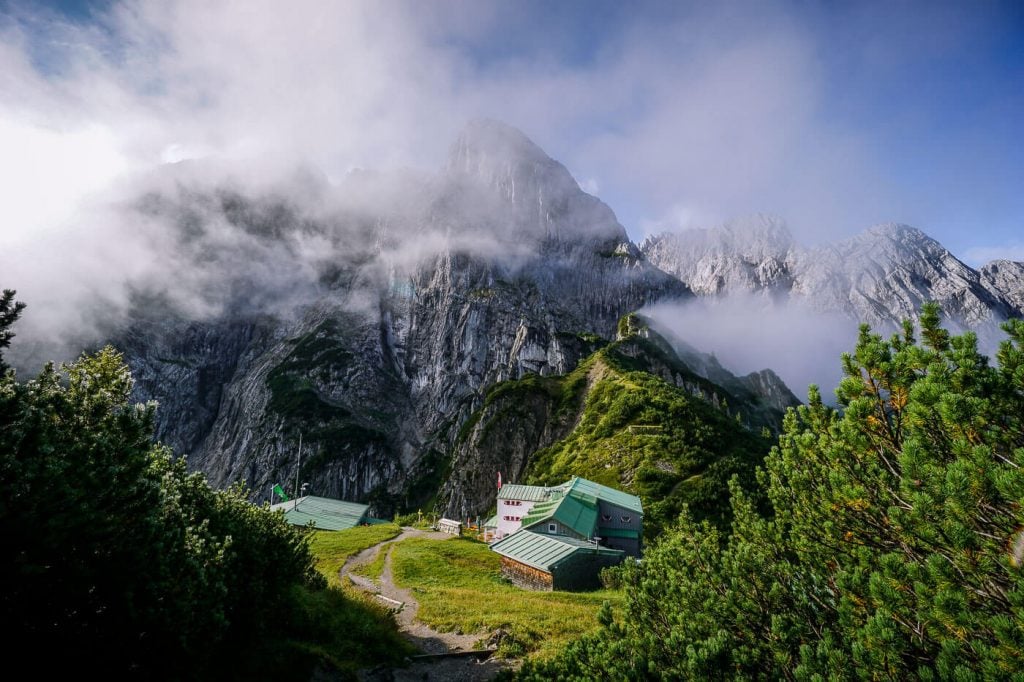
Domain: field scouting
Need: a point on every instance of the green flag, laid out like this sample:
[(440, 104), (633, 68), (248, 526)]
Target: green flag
[(279, 491)]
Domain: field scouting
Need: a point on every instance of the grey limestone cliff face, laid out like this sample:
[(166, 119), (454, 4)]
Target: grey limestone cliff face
[(502, 436), (881, 276), (497, 267), (187, 365), (1005, 278)]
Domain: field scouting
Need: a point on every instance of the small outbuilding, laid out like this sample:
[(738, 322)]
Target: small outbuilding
[(490, 529), (537, 561), (449, 526)]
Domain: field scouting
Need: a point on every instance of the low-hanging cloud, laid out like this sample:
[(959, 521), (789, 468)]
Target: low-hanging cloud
[(195, 243), (748, 333)]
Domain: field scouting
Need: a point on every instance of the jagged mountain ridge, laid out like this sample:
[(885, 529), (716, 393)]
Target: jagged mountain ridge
[(881, 276)]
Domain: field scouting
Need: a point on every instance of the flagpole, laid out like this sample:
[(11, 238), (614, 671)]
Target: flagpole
[(298, 464)]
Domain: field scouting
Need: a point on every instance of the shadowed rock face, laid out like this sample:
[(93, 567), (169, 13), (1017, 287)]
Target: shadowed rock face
[(881, 276), (496, 267)]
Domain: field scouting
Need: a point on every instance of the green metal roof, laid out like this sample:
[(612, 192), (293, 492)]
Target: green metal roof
[(325, 513), (539, 512), (577, 511), (603, 492), (528, 493), (544, 552), (491, 522)]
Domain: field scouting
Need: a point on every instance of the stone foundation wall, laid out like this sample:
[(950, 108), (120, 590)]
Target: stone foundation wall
[(524, 576)]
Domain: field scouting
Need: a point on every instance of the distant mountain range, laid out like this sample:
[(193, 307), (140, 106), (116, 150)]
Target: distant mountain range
[(881, 276)]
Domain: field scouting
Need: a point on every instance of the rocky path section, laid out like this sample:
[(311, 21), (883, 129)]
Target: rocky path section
[(421, 635)]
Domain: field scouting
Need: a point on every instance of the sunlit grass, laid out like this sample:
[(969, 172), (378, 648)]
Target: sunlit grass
[(333, 548), (459, 587)]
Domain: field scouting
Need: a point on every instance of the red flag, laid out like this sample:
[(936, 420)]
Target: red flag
[(499, 480)]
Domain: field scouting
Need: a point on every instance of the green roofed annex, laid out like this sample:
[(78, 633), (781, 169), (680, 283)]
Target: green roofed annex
[(548, 562), (324, 513), (575, 514)]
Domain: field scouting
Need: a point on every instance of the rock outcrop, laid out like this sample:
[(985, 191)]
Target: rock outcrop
[(1005, 279), (632, 413)]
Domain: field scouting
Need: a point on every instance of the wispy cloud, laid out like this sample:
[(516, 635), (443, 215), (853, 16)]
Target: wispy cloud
[(707, 113), (977, 256)]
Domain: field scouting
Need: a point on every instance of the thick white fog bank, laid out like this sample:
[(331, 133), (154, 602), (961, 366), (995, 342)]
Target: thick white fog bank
[(750, 333)]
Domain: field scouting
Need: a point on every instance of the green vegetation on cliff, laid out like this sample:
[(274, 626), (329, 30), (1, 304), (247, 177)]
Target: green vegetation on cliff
[(636, 431), (330, 429)]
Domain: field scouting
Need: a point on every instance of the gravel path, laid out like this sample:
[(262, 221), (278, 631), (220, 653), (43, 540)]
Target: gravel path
[(421, 635)]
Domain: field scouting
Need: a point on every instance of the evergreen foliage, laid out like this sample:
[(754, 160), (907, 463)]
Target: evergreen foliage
[(893, 551), (118, 559)]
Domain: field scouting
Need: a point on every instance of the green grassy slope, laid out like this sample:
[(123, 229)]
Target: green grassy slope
[(333, 548), (635, 431), (459, 587), (342, 626)]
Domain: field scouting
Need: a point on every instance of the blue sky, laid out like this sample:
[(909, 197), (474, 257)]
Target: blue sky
[(834, 116)]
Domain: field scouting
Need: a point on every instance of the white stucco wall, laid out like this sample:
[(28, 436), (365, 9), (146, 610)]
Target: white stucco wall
[(509, 508)]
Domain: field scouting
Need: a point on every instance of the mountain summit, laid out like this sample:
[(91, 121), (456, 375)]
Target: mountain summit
[(497, 267), (545, 199)]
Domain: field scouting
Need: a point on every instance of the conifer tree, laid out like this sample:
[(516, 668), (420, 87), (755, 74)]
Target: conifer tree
[(10, 310)]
